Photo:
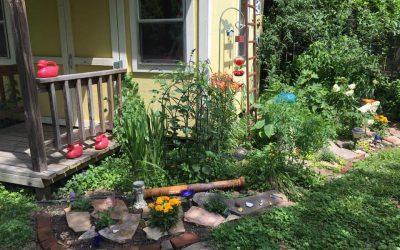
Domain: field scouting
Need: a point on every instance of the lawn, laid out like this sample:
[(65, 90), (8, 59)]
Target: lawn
[(358, 211)]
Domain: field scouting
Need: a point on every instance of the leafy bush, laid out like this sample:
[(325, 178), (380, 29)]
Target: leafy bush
[(104, 220), (216, 204), (357, 211), (81, 205), (16, 224)]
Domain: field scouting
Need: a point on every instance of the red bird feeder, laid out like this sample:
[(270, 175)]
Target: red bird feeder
[(239, 61)]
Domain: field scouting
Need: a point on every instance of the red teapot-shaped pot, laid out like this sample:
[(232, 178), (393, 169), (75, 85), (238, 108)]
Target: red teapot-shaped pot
[(74, 150), (101, 142), (47, 69)]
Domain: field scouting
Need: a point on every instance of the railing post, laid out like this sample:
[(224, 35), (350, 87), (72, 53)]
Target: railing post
[(29, 89)]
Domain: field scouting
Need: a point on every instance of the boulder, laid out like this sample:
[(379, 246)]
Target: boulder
[(118, 211), (179, 228), (202, 217), (88, 235), (123, 232), (78, 221), (154, 233)]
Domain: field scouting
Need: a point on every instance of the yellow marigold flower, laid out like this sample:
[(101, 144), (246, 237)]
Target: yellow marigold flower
[(159, 208), (151, 205), (168, 206), (175, 202), (159, 200), (166, 210)]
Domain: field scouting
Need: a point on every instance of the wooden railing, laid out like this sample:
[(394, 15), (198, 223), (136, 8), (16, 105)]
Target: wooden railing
[(66, 83), (8, 88)]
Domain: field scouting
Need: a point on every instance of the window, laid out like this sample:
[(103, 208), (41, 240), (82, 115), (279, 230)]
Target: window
[(161, 29), (162, 33), (7, 55), (4, 46)]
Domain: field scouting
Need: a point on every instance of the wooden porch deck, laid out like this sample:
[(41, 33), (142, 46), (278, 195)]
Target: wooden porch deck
[(15, 157)]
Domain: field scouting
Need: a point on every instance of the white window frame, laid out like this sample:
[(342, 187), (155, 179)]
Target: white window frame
[(7, 17), (188, 39)]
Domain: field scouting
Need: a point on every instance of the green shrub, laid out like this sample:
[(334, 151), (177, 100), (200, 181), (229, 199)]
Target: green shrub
[(326, 155), (104, 219), (16, 224), (216, 204), (357, 211), (81, 204)]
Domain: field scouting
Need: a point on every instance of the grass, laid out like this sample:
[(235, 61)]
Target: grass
[(357, 211), (16, 224)]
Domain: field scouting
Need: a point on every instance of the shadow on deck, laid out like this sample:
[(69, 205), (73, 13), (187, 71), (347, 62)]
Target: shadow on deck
[(15, 158)]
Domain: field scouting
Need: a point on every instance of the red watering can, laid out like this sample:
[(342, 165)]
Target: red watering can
[(47, 69)]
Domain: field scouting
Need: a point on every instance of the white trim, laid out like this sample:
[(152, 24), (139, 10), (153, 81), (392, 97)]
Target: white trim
[(95, 61), (117, 24), (188, 42), (205, 11), (57, 59), (7, 17)]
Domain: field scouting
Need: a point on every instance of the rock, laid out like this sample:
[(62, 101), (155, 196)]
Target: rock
[(79, 221), (345, 144), (122, 233), (154, 233), (240, 153), (154, 246), (202, 198), (361, 154), (261, 201), (343, 153), (198, 246), (231, 217), (145, 212), (200, 216), (166, 245), (394, 132), (328, 165), (88, 235), (183, 240), (393, 140), (179, 228), (119, 209)]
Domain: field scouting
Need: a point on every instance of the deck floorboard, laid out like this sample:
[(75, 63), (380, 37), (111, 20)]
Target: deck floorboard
[(15, 162)]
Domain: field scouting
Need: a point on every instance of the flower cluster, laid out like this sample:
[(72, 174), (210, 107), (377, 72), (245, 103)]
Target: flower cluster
[(164, 212), (349, 92), (381, 118), (164, 204), (225, 81)]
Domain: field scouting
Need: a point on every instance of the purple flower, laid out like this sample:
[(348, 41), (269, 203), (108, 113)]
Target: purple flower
[(187, 193), (97, 240), (72, 195)]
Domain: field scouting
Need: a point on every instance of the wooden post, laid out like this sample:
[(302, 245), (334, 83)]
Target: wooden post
[(28, 85)]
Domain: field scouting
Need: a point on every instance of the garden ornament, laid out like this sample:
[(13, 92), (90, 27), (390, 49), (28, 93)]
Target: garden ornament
[(47, 69), (101, 142), (74, 150), (358, 133), (138, 189), (371, 107), (287, 97)]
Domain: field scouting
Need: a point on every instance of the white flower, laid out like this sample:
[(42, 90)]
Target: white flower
[(335, 88), (375, 82), (352, 86), (370, 122), (349, 93)]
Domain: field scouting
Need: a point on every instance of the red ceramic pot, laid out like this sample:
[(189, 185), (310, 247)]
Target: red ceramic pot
[(74, 150), (101, 142)]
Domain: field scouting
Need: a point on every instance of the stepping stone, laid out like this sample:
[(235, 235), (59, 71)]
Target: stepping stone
[(122, 233), (393, 140), (179, 228), (202, 217), (88, 235), (394, 132), (343, 153), (261, 202), (79, 221), (118, 211), (166, 245), (184, 240), (345, 144), (153, 233), (231, 217), (198, 246), (202, 198)]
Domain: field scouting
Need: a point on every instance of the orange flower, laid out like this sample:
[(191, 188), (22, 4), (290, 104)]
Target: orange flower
[(159, 208), (151, 205)]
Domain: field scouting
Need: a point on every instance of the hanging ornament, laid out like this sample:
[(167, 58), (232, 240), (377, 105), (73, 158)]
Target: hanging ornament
[(238, 72), (239, 61)]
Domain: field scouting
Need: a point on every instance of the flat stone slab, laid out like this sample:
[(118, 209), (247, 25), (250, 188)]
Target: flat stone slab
[(179, 228), (394, 131), (202, 217), (119, 207), (232, 217), (153, 233), (79, 221), (343, 153), (122, 233), (393, 140), (260, 202), (198, 246), (88, 235), (345, 144)]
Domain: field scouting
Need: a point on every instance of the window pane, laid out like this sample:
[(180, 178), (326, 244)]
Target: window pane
[(161, 42), (1, 11), (161, 9), (3, 41)]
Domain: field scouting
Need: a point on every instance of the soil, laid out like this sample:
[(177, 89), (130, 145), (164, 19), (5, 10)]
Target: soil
[(68, 237)]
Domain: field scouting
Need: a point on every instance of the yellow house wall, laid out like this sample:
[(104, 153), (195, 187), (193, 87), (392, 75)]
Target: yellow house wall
[(92, 38)]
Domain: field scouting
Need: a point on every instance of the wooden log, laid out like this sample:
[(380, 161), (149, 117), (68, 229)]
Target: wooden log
[(54, 115), (110, 98), (29, 90), (68, 112), (82, 135), (91, 107), (101, 106)]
